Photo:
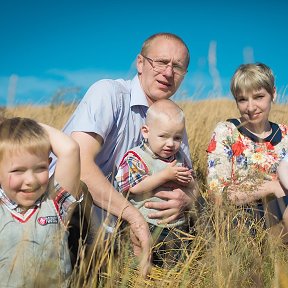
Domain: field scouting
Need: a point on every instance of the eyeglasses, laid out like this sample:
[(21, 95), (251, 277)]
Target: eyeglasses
[(161, 65)]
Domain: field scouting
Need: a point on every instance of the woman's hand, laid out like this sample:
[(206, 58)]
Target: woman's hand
[(272, 188), (246, 192)]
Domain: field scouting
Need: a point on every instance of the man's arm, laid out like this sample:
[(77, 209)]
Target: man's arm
[(105, 196)]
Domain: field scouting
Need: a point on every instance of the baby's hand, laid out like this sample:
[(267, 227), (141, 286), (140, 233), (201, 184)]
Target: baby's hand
[(181, 175)]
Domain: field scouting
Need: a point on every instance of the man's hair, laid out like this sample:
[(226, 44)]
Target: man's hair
[(148, 41), (249, 77), (164, 107), (18, 133)]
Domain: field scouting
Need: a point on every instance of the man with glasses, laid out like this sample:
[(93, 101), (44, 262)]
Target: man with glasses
[(107, 123)]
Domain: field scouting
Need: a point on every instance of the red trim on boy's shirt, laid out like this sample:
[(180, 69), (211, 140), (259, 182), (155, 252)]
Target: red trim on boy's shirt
[(23, 218)]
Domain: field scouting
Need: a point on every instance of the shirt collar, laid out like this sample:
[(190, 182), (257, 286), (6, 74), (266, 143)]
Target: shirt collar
[(13, 205), (137, 94), (145, 147), (274, 138)]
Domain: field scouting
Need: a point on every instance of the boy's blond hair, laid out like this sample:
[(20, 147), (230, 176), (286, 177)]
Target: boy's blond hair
[(23, 133), (250, 77), (164, 107)]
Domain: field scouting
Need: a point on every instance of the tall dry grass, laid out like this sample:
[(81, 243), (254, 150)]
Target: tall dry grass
[(220, 254)]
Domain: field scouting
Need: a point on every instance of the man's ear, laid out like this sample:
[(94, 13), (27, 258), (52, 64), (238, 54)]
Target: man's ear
[(145, 131), (139, 63)]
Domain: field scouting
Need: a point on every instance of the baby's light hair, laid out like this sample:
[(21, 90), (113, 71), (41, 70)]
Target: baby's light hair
[(17, 134), (250, 77), (164, 107)]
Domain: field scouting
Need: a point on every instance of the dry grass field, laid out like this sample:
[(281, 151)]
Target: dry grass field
[(219, 254)]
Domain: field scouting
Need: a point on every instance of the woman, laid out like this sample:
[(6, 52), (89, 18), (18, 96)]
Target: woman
[(244, 153)]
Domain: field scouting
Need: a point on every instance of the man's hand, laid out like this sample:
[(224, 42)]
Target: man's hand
[(141, 248), (140, 237), (177, 201)]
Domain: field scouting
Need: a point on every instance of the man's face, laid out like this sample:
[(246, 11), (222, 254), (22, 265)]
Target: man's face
[(162, 85)]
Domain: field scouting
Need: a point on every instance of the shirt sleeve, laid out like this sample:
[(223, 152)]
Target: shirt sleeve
[(98, 110), (219, 152), (64, 200), (131, 171)]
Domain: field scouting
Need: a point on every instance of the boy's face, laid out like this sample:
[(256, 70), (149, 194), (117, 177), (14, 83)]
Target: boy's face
[(164, 136), (24, 176)]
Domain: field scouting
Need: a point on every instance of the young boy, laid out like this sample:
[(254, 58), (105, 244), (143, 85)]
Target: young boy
[(157, 165), (34, 210)]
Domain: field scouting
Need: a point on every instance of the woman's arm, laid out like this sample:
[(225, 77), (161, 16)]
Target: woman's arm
[(219, 162), (247, 192)]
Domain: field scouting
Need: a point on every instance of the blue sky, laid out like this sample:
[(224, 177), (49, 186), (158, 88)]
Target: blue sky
[(58, 48)]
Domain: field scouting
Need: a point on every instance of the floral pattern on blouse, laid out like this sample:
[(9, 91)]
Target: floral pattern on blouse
[(233, 156)]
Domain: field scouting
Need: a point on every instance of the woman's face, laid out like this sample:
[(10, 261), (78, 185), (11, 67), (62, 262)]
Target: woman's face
[(254, 107)]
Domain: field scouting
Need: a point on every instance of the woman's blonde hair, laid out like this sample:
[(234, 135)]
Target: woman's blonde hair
[(250, 77)]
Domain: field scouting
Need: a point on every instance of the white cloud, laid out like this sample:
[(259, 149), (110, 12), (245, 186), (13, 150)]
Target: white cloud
[(29, 88), (40, 90), (84, 78)]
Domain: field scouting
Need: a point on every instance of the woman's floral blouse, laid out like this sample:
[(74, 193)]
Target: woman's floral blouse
[(235, 154)]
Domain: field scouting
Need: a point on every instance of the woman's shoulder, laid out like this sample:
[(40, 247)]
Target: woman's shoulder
[(283, 128), (284, 133), (228, 125)]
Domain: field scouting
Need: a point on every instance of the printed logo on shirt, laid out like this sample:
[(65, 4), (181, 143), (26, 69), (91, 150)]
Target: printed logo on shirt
[(47, 220)]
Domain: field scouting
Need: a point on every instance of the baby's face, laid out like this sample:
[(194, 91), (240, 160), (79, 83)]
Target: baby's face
[(165, 136), (24, 176)]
